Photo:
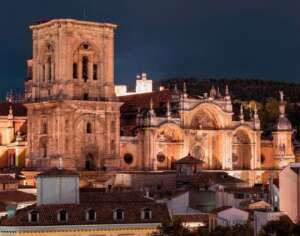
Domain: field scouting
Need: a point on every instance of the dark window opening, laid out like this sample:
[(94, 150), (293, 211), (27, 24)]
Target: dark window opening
[(85, 70), (86, 96), (88, 128), (95, 72), (91, 215), (63, 215), (44, 150), (161, 157), (119, 214), (89, 162), (147, 214), (49, 68), (128, 158), (44, 128), (34, 216), (75, 71)]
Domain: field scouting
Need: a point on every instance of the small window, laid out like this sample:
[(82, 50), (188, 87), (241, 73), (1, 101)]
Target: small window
[(95, 72), (128, 158), (85, 96), (146, 214), (33, 217), (161, 157), (49, 68), (62, 216), (45, 151), (88, 128), (44, 128), (75, 71), (85, 70), (119, 214), (91, 215)]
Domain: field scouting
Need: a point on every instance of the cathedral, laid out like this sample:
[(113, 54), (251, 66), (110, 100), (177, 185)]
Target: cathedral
[(75, 120)]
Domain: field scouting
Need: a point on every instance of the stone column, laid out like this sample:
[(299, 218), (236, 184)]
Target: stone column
[(226, 150)]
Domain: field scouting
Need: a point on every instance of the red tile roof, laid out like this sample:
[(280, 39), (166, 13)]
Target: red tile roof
[(16, 197), (104, 211), (7, 179), (204, 178), (189, 160)]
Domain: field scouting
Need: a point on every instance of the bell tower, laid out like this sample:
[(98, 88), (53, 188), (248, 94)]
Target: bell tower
[(282, 138), (73, 113)]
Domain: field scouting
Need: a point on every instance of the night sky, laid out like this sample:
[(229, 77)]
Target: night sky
[(169, 38)]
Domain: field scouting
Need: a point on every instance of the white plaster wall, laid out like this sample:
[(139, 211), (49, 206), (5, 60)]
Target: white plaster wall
[(288, 193), (232, 216)]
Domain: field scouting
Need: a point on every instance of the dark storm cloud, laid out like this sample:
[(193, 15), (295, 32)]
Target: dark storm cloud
[(164, 38)]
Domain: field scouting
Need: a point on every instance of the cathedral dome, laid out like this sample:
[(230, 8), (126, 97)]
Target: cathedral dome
[(283, 123)]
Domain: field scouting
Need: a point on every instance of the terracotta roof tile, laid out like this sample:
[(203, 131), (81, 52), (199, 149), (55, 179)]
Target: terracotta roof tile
[(104, 211), (7, 179), (16, 197), (189, 160)]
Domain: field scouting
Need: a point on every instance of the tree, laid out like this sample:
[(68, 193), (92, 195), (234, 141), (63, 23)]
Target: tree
[(283, 226)]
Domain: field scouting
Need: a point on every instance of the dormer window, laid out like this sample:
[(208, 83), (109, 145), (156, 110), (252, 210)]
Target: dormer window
[(146, 214), (119, 214), (33, 217), (90, 215), (62, 216)]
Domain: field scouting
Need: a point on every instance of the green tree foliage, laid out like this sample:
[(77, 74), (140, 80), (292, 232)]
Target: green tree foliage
[(283, 226), (176, 228)]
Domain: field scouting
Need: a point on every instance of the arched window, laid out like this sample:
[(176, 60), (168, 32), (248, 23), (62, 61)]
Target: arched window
[(44, 128), (95, 72), (49, 62), (89, 161), (33, 217), (91, 215), (62, 216), (119, 214), (146, 214), (75, 71), (45, 150), (44, 73), (88, 128), (85, 69)]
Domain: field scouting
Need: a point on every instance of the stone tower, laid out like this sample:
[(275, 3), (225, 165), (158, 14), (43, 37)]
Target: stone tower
[(282, 138), (73, 114)]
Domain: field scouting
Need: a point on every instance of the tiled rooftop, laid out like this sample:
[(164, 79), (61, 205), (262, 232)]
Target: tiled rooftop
[(104, 206)]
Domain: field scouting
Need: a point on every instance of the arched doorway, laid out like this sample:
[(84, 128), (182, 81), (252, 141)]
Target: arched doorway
[(241, 151), (89, 161)]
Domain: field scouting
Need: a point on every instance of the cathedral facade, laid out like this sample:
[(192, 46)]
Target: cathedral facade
[(74, 118)]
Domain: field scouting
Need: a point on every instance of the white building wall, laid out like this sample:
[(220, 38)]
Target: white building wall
[(57, 190), (232, 216), (288, 193)]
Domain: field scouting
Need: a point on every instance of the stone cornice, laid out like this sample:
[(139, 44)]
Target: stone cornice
[(72, 21)]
